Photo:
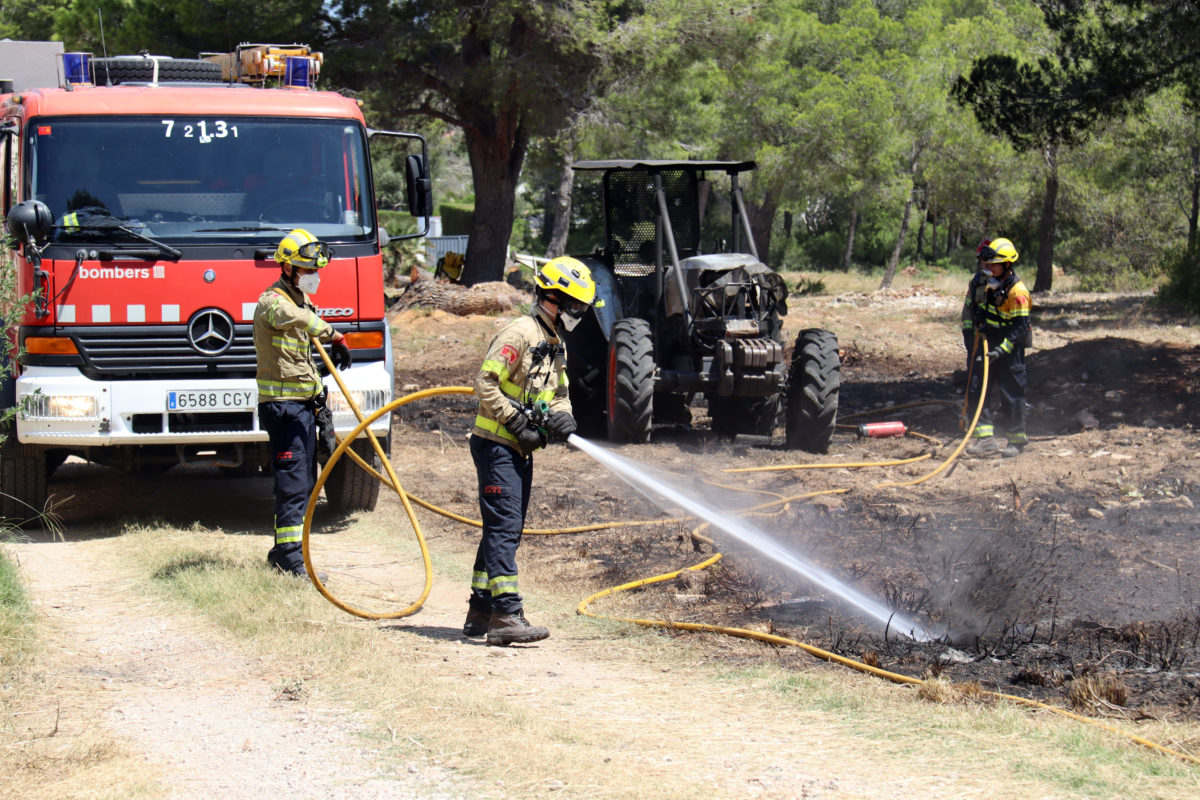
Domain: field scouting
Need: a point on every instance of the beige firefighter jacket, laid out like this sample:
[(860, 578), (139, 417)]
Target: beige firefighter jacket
[(285, 322), (525, 362)]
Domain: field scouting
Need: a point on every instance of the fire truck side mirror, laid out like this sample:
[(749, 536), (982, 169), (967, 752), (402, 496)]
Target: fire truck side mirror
[(419, 186), (30, 221)]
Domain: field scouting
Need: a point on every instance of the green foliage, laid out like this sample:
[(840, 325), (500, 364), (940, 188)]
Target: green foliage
[(184, 28), (30, 20), (847, 106), (1182, 289), (456, 218), (16, 617)]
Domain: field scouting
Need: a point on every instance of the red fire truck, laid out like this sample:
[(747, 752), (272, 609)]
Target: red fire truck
[(144, 200)]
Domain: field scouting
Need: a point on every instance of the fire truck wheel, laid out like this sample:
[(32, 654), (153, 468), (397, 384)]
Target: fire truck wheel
[(23, 481), (812, 395), (137, 69), (349, 487)]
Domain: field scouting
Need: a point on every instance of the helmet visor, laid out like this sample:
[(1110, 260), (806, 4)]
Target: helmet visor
[(317, 253)]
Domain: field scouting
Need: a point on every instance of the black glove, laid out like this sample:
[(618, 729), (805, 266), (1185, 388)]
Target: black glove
[(993, 355), (340, 355), (529, 438), (326, 439), (560, 424)]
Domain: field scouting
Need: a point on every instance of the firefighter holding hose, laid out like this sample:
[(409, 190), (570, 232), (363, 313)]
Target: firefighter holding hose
[(522, 392), (291, 395), (996, 326)]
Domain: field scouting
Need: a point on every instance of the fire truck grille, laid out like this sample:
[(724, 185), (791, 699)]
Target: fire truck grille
[(161, 351)]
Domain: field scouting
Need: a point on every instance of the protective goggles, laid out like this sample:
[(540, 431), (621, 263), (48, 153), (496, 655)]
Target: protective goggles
[(316, 252), (569, 305)]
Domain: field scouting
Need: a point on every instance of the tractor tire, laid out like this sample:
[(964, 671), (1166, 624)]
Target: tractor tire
[(812, 394), (350, 488), (630, 382), (23, 481), (136, 69), (756, 416)]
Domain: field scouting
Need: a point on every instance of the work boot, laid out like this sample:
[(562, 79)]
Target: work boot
[(477, 622), (290, 561), (506, 629), (983, 446), (1012, 451)]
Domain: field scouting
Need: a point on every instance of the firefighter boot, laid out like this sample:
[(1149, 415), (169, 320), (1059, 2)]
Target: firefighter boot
[(477, 622), (506, 629), (289, 560), (984, 446)]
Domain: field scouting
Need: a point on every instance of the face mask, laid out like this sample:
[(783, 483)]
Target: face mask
[(569, 321), (308, 283)]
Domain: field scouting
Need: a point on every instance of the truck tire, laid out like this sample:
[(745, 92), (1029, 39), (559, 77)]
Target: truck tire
[(630, 382), (350, 488), (757, 416), (23, 481), (137, 69), (812, 395)]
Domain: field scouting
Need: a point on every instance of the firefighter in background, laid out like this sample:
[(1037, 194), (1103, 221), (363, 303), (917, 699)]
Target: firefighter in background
[(290, 391), (524, 371), (996, 326)]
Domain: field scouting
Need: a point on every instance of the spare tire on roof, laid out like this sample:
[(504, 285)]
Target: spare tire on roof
[(140, 69)]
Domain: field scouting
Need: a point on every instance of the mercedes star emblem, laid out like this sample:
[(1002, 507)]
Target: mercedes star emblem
[(210, 331)]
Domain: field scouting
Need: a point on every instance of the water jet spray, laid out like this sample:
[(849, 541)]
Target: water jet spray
[(658, 491)]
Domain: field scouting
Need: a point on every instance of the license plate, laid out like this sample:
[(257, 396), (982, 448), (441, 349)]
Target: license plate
[(210, 400)]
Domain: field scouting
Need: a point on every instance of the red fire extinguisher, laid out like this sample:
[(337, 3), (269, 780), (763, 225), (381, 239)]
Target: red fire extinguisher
[(881, 430)]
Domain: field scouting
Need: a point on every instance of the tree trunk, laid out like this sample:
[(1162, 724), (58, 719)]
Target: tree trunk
[(496, 160), (762, 219), (914, 160), (560, 205), (1045, 256), (851, 230), (1194, 213), (933, 237), (894, 261), (923, 206)]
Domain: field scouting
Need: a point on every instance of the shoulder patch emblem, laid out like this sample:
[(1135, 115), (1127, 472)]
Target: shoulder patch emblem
[(509, 354)]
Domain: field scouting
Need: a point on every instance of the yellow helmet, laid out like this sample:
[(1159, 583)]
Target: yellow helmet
[(301, 249), (998, 251), (567, 276)]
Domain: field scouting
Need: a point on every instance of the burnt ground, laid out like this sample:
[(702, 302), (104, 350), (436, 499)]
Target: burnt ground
[(1078, 559)]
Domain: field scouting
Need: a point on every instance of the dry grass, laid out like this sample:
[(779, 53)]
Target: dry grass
[(944, 691), (1097, 693), (43, 757), (696, 716)]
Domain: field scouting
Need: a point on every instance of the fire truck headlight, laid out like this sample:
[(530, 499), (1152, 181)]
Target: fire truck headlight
[(368, 401), (63, 406)]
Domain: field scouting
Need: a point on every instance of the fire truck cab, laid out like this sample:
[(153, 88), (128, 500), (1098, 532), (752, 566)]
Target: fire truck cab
[(143, 215)]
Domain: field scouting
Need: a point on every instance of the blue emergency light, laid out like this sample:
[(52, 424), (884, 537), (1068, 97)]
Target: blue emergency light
[(298, 71), (77, 68)]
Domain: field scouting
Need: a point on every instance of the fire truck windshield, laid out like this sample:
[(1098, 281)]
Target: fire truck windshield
[(201, 179)]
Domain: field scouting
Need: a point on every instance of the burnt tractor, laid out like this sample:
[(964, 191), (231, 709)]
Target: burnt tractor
[(674, 319)]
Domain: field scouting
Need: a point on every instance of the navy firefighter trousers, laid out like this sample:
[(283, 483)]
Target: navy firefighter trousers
[(291, 426), (505, 478)]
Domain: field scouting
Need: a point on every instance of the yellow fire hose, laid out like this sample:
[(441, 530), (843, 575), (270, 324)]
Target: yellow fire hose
[(779, 502)]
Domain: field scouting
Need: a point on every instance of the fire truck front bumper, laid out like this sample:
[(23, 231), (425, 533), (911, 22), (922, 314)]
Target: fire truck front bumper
[(60, 407)]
